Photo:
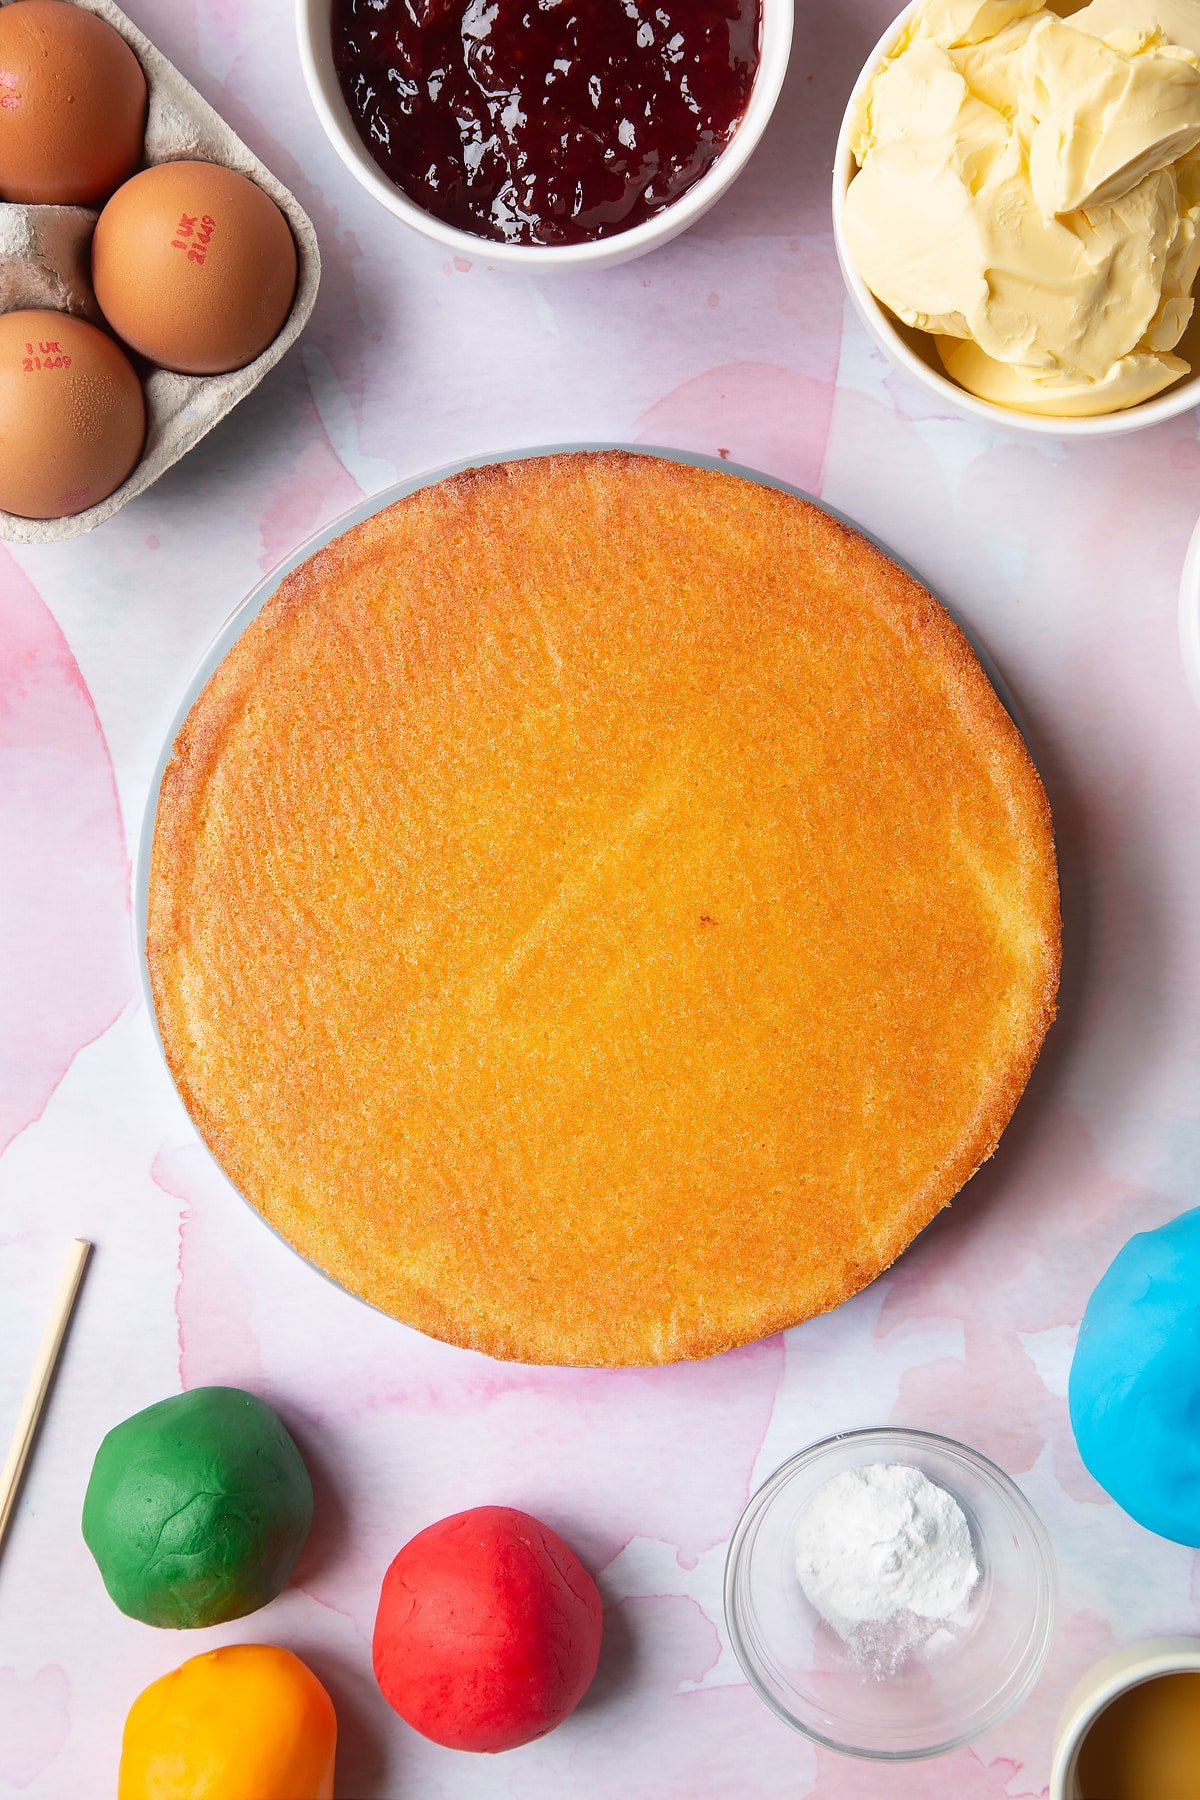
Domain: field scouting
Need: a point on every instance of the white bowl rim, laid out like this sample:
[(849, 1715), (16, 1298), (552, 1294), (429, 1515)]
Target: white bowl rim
[(312, 33), (1181, 398), (889, 1437), (1113, 1675)]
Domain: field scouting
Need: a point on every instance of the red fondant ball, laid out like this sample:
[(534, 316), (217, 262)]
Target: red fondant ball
[(488, 1630)]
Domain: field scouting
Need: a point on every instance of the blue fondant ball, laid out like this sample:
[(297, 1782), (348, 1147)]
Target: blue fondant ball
[(1135, 1380)]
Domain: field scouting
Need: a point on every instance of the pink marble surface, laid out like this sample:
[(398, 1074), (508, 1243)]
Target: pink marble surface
[(736, 339)]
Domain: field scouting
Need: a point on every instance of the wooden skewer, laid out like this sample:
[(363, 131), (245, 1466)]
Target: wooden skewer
[(40, 1380)]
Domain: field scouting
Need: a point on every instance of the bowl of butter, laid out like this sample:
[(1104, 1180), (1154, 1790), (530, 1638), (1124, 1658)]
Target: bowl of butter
[(1017, 208)]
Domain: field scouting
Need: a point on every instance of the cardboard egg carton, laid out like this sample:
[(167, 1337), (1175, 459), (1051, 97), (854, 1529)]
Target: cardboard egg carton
[(45, 257)]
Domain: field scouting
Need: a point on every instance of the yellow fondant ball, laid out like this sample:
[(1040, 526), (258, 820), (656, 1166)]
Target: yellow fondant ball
[(235, 1724)]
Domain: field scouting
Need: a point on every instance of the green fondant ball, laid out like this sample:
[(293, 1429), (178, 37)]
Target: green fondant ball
[(197, 1508)]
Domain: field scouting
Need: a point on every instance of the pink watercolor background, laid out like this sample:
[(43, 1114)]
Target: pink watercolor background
[(735, 341), (68, 968)]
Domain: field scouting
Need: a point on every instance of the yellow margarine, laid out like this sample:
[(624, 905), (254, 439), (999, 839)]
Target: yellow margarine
[(1147, 23), (1029, 192)]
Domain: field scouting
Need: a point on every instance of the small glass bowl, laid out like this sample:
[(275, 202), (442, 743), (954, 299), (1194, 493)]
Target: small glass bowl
[(965, 1679)]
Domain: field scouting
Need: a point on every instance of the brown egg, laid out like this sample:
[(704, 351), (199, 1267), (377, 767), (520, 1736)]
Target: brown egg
[(72, 105), (72, 415), (194, 267)]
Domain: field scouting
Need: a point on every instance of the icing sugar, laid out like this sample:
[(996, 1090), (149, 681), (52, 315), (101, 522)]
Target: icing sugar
[(885, 1556)]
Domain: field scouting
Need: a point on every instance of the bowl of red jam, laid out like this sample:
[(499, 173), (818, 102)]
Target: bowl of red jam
[(548, 133)]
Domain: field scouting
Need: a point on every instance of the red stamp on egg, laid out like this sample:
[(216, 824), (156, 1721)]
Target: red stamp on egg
[(193, 235), (46, 354)]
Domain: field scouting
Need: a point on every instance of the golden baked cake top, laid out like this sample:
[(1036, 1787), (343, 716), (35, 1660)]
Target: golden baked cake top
[(600, 911)]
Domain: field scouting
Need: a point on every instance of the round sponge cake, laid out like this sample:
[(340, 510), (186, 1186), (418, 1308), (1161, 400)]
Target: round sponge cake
[(600, 910)]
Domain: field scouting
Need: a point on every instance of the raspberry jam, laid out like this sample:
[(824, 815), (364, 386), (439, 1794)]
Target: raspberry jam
[(545, 121)]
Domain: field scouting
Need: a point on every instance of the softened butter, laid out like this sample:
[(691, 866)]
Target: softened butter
[(1028, 192)]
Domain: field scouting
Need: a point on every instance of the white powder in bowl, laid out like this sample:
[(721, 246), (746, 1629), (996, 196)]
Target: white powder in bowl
[(885, 1556)]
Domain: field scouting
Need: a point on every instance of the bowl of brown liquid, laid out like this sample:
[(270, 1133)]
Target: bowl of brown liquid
[(1131, 1729)]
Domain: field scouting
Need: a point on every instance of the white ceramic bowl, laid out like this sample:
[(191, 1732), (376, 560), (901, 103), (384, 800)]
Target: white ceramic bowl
[(916, 353), (1117, 1673), (316, 57)]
